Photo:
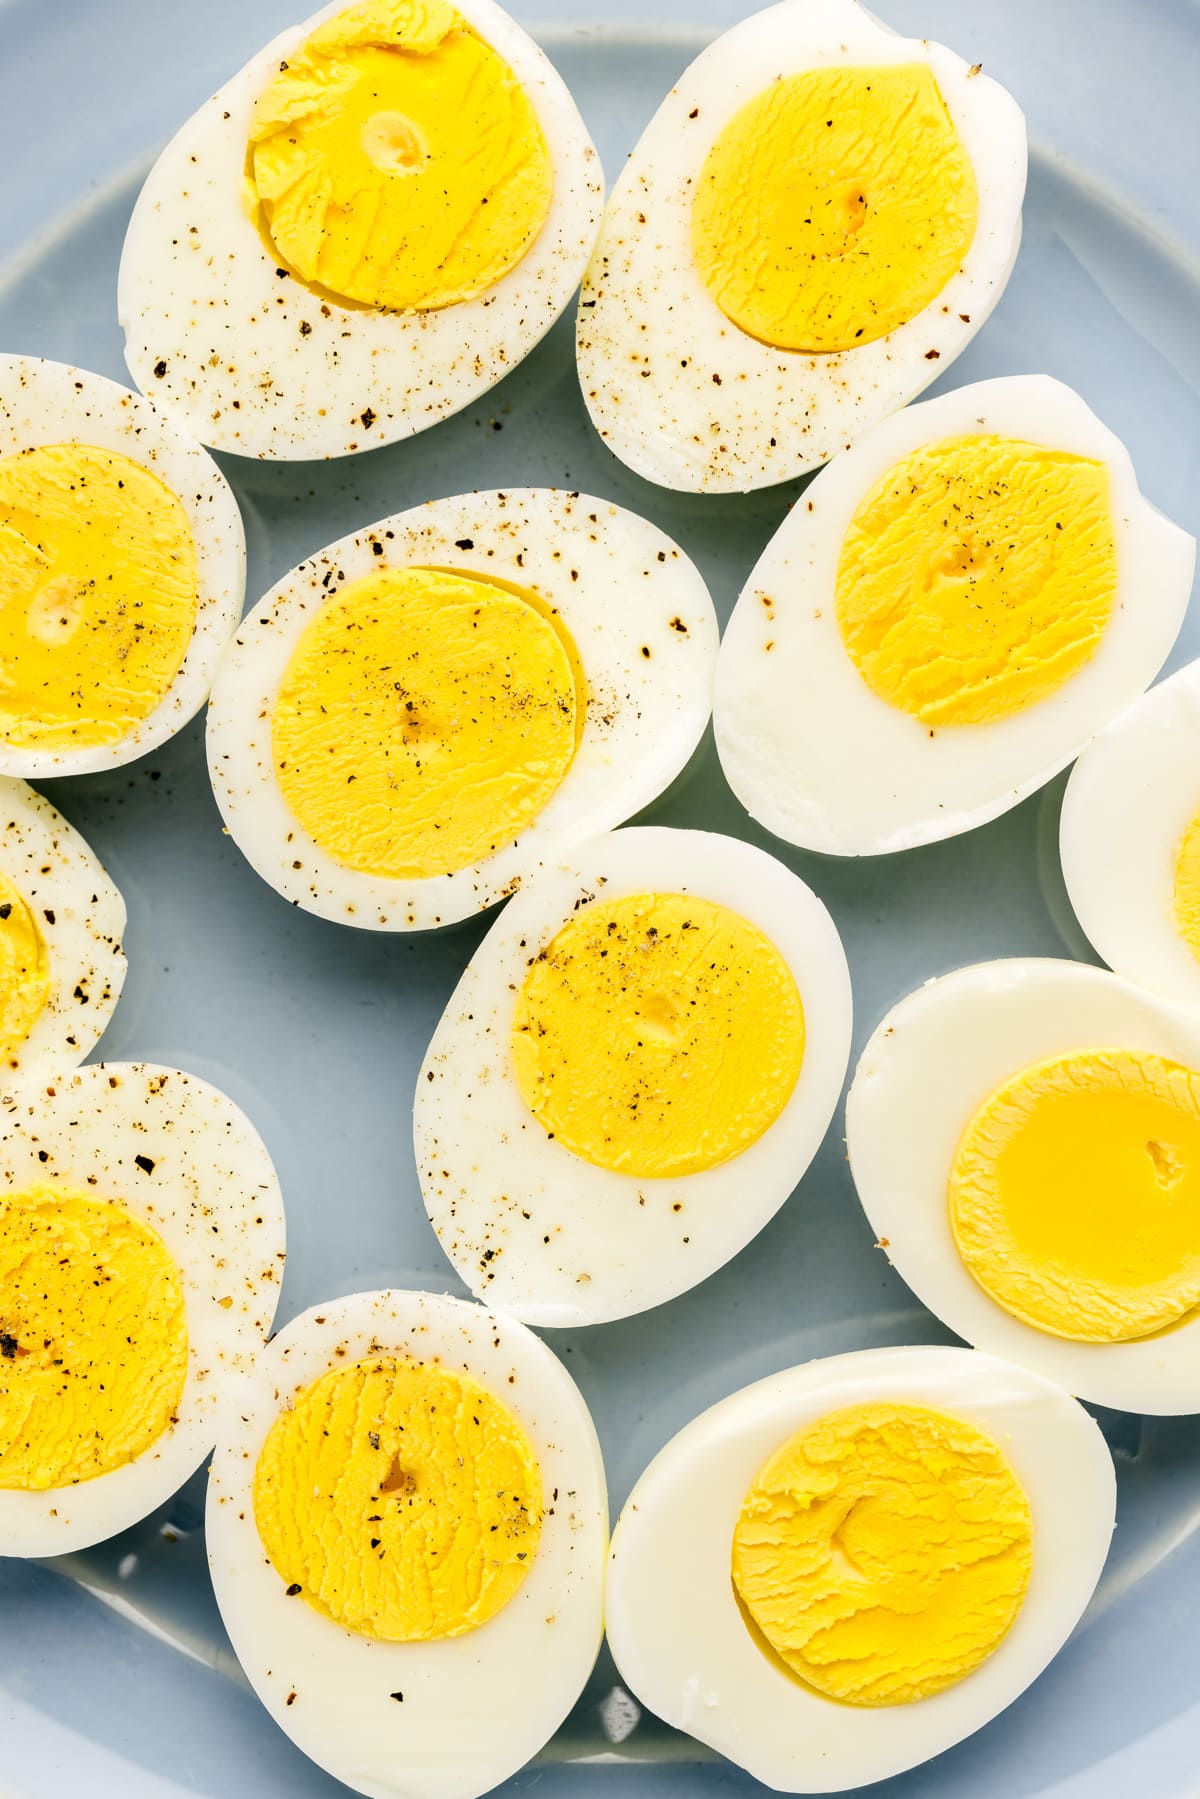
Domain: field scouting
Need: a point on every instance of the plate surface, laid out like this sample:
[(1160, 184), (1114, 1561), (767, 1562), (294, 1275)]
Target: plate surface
[(116, 1669)]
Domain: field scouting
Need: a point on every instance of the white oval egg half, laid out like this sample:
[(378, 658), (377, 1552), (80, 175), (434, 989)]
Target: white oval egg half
[(475, 1707), (44, 403), (923, 1075), (255, 361), (1130, 799), (179, 1155), (819, 758), (81, 918), (530, 1226), (674, 1624), (641, 621), (676, 389)]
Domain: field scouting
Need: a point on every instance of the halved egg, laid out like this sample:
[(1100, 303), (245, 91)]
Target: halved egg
[(124, 570), (634, 1072), (362, 231), (141, 1251), (949, 612), (840, 1571), (814, 224), (1130, 839), (1025, 1140), (61, 924), (406, 1528), (420, 713)]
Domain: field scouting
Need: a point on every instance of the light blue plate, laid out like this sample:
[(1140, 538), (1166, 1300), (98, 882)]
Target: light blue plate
[(114, 1670)]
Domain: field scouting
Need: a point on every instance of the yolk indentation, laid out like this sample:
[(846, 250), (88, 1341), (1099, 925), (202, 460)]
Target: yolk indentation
[(98, 595), (657, 1034), (93, 1337), (395, 161), (883, 1552), (1075, 1194), (425, 719), (24, 971), (1187, 887), (977, 577), (834, 207), (402, 1499)]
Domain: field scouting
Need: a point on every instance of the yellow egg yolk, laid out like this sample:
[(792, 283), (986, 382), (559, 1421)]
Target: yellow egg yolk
[(883, 1552), (657, 1035), (98, 595), (977, 577), (395, 161), (425, 720), (834, 207), (93, 1337), (24, 971), (401, 1499), (1075, 1194), (1187, 887)]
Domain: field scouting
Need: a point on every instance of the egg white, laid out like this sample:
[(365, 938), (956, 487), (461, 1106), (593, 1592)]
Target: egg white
[(476, 1707), (642, 622), (674, 1624), (496, 1185), (213, 1197), (676, 389), (53, 403), (925, 1072), (202, 300), (820, 759)]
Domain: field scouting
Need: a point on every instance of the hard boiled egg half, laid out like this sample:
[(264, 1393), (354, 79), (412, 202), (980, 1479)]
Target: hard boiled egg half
[(124, 569), (141, 1251), (634, 1072), (840, 1571), (1025, 1140), (363, 230), (814, 224), (949, 612), (415, 717), (1130, 839), (406, 1527)]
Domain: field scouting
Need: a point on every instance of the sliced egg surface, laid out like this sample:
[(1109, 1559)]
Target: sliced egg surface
[(845, 1568), (124, 571), (414, 718), (950, 611), (1130, 839), (814, 224), (61, 925), (141, 1251), (1025, 1140), (632, 1075), (362, 231), (407, 1526)]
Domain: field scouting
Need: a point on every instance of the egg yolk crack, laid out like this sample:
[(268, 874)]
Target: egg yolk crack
[(1075, 1194), (396, 162), (977, 577), (93, 1337), (883, 1552), (24, 971), (401, 1499), (834, 207), (657, 1035)]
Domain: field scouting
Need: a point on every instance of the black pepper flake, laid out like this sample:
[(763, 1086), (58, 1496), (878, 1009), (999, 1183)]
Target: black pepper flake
[(293, 1589), (398, 1697), (464, 543), (932, 355), (145, 1163), (48, 915), (160, 368), (367, 418), (8, 1347), (6, 910)]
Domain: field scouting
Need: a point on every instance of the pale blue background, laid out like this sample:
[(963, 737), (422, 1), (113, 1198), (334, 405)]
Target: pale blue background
[(115, 1672)]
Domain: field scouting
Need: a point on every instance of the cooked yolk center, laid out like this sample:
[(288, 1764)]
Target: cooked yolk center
[(1187, 887), (834, 207), (657, 1035), (93, 1337), (24, 970), (401, 1499), (977, 577), (396, 161), (1075, 1194), (883, 1552), (98, 595), (425, 720)]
